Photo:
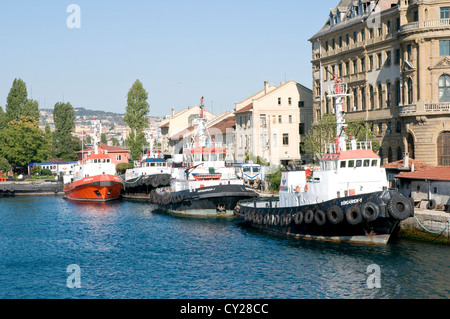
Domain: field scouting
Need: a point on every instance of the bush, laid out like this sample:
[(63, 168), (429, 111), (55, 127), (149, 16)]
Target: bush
[(122, 167), (4, 165), (46, 172), (36, 170)]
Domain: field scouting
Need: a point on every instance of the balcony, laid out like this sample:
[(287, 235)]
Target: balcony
[(431, 24), (424, 109)]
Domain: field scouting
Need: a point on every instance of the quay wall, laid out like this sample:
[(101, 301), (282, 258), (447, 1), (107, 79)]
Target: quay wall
[(429, 225)]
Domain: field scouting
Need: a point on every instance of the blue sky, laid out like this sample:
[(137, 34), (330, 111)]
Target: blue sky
[(179, 50)]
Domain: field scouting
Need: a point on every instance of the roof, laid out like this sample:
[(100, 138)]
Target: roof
[(441, 173), (98, 156), (351, 154), (181, 134), (399, 165), (245, 109), (222, 126), (110, 149)]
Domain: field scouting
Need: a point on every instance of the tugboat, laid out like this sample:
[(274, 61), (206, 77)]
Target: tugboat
[(94, 179), (149, 173), (206, 184), (347, 200)]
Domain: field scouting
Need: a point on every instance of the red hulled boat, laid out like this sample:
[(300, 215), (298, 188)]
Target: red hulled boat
[(95, 179)]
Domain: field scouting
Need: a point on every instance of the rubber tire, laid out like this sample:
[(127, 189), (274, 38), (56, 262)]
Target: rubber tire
[(370, 211), (320, 217), (335, 215), (309, 216), (298, 218), (351, 218), (399, 208), (431, 204)]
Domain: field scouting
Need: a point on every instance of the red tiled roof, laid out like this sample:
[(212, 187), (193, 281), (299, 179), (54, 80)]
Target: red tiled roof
[(245, 108), (399, 164), (223, 125), (352, 154), (181, 134), (110, 149), (432, 173)]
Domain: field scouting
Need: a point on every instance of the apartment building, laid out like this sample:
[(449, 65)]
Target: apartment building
[(174, 124), (395, 58), (271, 122)]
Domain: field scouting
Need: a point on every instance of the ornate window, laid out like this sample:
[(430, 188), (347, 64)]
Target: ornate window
[(443, 148), (444, 88)]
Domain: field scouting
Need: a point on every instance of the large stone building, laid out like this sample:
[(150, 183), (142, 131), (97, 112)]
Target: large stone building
[(395, 57), (271, 123)]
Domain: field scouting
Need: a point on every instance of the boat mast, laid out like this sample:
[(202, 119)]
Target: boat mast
[(338, 91), (97, 126)]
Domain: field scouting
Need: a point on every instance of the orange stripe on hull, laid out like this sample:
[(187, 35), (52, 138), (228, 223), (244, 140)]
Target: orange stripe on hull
[(96, 188)]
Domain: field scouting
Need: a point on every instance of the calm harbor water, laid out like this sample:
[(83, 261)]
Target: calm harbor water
[(126, 250)]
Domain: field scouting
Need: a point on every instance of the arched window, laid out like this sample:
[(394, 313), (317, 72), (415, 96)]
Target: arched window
[(444, 88), (380, 153), (380, 96), (443, 149), (410, 91), (389, 95), (399, 153), (372, 97), (398, 95), (389, 155), (411, 147), (398, 128)]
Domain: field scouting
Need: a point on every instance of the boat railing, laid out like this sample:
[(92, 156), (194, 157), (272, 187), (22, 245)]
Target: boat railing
[(333, 148)]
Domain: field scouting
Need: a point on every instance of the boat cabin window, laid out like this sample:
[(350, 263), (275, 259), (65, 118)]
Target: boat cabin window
[(343, 164), (374, 163), (366, 163), (359, 163), (351, 163)]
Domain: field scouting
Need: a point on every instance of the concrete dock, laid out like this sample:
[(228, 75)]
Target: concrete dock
[(430, 225)]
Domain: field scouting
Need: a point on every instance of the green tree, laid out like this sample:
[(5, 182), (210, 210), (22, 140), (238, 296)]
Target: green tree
[(360, 130), (103, 138), (3, 121), (321, 134), (22, 142), (17, 103), (4, 165), (65, 145), (136, 117)]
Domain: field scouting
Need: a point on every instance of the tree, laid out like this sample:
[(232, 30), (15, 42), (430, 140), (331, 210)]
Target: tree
[(319, 136), (4, 165), (103, 138), (136, 118), (65, 145), (3, 121), (17, 103), (324, 132), (22, 142)]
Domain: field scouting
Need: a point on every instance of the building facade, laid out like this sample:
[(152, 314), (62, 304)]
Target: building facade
[(174, 124), (270, 123), (395, 58)]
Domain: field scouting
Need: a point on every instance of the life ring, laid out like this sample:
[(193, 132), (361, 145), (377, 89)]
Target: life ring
[(353, 215), (400, 208), (309, 216), (297, 189), (335, 214), (370, 211), (306, 187), (298, 218), (228, 164), (320, 218)]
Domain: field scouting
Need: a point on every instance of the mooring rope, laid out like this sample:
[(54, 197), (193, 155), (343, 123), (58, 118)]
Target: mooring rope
[(430, 231)]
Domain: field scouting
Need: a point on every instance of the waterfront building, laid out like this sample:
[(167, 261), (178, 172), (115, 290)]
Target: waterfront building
[(116, 154), (271, 123), (395, 57), (174, 124)]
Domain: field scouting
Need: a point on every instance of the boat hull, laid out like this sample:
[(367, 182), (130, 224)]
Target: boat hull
[(213, 201), (99, 188), (292, 221)]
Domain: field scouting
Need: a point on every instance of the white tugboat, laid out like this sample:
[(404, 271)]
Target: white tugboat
[(347, 200), (207, 184)]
